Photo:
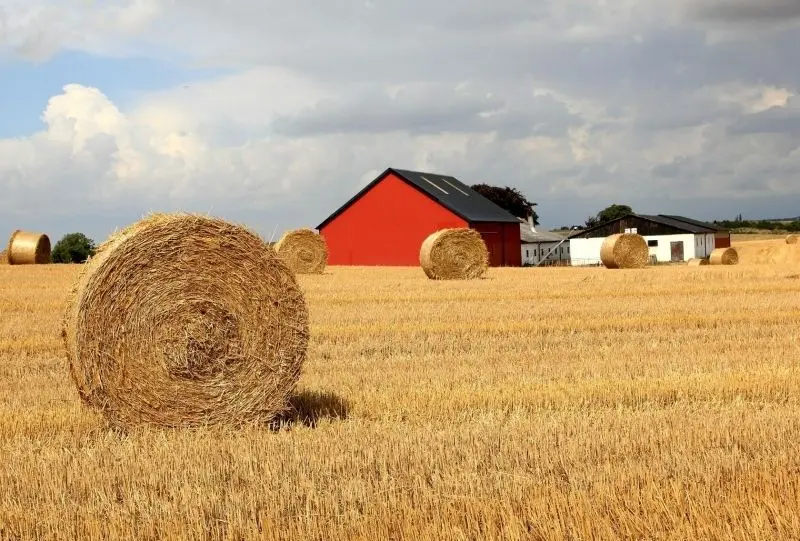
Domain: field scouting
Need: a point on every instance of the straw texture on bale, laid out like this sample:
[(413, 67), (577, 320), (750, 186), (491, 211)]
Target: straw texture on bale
[(791, 239), (303, 250), (454, 254), (724, 256), (28, 248), (696, 262), (183, 320), (624, 251)]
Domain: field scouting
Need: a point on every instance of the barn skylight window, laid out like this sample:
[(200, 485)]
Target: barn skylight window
[(454, 186), (435, 186)]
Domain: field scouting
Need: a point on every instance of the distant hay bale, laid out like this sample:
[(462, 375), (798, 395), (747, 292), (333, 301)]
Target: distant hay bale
[(303, 250), (3, 257), (454, 254), (791, 239), (28, 248), (624, 251), (724, 256), (182, 320), (696, 262)]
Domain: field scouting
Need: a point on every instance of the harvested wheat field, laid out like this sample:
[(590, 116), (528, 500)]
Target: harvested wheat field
[(577, 405)]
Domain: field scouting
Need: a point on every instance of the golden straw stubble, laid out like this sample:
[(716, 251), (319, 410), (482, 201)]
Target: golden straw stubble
[(303, 250), (28, 248), (454, 254), (625, 251), (724, 256), (183, 320)]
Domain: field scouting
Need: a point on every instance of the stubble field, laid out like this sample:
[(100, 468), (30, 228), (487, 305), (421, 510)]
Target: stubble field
[(534, 404)]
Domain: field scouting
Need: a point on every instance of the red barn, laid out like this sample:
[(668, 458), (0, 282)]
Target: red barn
[(386, 222)]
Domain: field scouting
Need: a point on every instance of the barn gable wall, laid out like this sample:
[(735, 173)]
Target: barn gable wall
[(386, 226)]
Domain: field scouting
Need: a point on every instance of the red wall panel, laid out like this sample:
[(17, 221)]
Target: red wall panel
[(503, 243), (513, 245), (722, 240), (386, 226), (492, 234)]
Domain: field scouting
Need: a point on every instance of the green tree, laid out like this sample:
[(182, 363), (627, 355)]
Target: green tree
[(73, 248), (510, 199), (609, 213)]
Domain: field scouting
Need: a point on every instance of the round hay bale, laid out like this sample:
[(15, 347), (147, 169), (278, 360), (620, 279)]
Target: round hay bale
[(791, 239), (3, 257), (303, 250), (27, 248), (697, 262), (724, 256), (625, 251), (183, 320), (454, 254)]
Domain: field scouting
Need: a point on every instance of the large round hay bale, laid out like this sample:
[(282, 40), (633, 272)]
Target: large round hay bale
[(697, 262), (303, 250), (182, 320), (625, 251), (724, 256), (454, 254), (28, 248), (791, 239)]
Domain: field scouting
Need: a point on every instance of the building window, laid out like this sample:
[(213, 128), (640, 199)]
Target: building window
[(526, 253), (652, 243)]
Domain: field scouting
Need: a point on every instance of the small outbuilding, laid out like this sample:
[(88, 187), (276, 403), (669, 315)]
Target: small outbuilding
[(386, 222), (543, 247), (669, 238)]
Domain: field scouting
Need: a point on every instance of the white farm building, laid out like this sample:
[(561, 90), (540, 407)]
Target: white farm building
[(670, 238), (541, 247)]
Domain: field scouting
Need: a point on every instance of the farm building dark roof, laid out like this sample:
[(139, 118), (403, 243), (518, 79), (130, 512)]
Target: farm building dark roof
[(691, 227), (448, 191), (528, 236), (678, 223), (695, 222)]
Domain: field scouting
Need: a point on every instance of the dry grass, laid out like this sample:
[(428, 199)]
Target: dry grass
[(576, 404), (739, 238)]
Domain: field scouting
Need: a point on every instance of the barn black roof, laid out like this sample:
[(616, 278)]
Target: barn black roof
[(448, 191)]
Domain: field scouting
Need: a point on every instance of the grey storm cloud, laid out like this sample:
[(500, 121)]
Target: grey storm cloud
[(775, 120), (427, 109), (743, 11)]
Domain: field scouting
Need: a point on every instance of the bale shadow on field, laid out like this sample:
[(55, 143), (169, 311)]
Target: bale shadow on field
[(309, 407)]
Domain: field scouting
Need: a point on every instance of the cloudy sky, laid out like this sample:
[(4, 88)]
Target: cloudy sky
[(274, 113)]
